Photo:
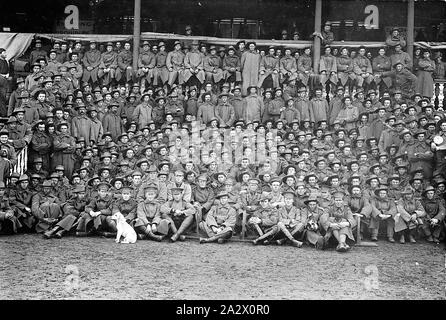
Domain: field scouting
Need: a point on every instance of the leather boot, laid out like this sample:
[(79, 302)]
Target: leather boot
[(296, 243), (402, 240), (50, 233), (59, 234), (412, 238), (151, 235)]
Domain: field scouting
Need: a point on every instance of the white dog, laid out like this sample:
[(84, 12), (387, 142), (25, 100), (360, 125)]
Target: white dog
[(124, 229)]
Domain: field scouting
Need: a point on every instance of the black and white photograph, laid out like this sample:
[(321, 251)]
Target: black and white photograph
[(222, 150)]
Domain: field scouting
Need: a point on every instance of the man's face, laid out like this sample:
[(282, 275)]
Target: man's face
[(176, 195), (127, 46), (46, 190), (312, 205), (24, 184), (74, 57)]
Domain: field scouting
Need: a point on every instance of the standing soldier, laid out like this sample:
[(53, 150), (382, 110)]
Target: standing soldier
[(64, 149), (109, 63), (380, 64), (250, 65), (175, 64), (37, 52), (220, 220), (146, 65), (91, 61), (81, 125)]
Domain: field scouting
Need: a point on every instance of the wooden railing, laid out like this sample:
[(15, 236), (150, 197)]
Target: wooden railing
[(439, 93), (22, 162)]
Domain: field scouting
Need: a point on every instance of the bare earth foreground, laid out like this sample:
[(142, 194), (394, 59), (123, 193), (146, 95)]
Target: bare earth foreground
[(97, 268)]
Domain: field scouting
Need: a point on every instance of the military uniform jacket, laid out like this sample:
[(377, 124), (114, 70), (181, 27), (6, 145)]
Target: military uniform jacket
[(220, 215), (175, 60), (434, 208), (146, 59), (149, 212), (269, 217), (127, 208), (109, 60), (292, 217), (101, 204), (124, 59), (171, 205), (205, 196)]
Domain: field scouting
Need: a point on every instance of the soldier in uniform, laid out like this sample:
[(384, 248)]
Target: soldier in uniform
[(148, 214), (220, 220), (292, 221), (432, 222), (9, 222), (108, 65), (91, 61), (338, 222), (124, 63), (45, 207), (175, 64), (72, 209), (146, 65), (264, 221), (178, 213), (97, 215), (409, 214)]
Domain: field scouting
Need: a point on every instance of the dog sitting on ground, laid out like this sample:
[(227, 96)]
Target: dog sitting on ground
[(124, 229)]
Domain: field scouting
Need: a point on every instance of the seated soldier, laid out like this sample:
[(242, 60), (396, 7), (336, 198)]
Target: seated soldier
[(178, 213), (203, 197), (338, 221), (409, 214), (264, 221), (72, 209), (220, 221), (249, 200), (148, 214), (313, 213), (360, 205), (21, 200), (126, 205), (291, 220), (435, 213), (97, 215), (9, 223), (383, 209), (45, 207)]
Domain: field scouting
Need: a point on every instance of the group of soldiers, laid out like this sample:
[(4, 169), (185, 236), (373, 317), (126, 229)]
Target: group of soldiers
[(226, 142)]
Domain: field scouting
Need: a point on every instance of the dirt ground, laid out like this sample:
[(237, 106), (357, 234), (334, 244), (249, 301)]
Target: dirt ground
[(98, 268)]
